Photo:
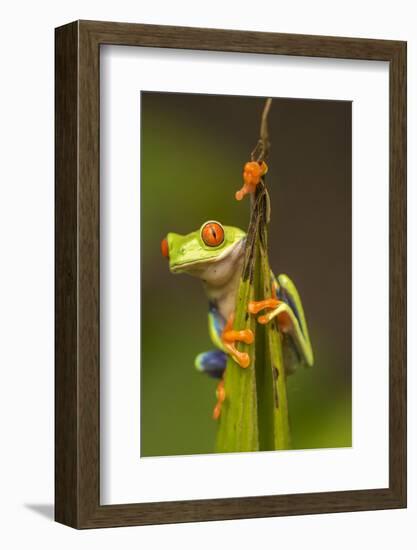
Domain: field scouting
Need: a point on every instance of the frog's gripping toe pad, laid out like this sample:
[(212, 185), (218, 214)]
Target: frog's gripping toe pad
[(240, 357), (243, 360), (229, 338)]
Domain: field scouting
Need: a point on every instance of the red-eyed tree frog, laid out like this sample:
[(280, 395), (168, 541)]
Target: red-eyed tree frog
[(214, 254)]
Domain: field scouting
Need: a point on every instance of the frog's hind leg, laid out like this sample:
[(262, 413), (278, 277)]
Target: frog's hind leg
[(211, 362), (214, 364), (287, 308)]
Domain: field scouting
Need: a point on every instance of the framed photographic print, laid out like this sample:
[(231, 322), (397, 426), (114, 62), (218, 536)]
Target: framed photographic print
[(230, 274)]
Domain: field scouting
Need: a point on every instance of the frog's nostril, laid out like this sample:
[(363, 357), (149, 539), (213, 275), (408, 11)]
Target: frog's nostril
[(164, 248)]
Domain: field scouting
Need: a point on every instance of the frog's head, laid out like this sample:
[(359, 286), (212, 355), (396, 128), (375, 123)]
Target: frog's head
[(213, 253)]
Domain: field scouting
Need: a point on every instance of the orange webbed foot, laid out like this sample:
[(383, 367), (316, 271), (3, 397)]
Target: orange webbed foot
[(256, 307), (230, 336), (252, 174), (245, 335), (270, 303)]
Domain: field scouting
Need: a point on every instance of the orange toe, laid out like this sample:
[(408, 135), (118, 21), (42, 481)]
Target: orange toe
[(244, 360), (216, 411), (255, 307)]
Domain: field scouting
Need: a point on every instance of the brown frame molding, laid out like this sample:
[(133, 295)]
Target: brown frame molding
[(77, 466)]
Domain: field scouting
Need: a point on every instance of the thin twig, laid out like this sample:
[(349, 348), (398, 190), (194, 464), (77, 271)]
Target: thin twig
[(264, 123), (261, 150), (260, 202)]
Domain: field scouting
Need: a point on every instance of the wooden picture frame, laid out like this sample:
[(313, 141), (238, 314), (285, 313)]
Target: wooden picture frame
[(77, 372)]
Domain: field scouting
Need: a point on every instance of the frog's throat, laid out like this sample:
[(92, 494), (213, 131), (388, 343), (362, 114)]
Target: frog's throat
[(184, 266)]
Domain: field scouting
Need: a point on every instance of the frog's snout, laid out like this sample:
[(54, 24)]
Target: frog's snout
[(165, 248)]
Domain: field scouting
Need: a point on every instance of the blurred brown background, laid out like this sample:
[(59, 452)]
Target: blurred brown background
[(193, 151)]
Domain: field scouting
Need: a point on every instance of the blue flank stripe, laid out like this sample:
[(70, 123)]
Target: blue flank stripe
[(217, 318)]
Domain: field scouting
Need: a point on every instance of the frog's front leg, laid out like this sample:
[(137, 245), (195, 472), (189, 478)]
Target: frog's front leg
[(224, 337), (214, 362), (230, 336)]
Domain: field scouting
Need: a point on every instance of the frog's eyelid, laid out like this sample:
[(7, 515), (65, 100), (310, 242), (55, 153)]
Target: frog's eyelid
[(211, 222), (214, 234)]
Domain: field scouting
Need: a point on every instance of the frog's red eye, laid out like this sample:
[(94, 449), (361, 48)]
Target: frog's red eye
[(212, 234)]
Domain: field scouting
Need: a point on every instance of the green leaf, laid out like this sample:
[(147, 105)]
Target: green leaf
[(238, 426), (255, 413), (272, 387)]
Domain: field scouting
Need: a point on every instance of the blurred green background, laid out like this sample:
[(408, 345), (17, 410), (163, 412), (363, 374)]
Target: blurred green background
[(193, 148)]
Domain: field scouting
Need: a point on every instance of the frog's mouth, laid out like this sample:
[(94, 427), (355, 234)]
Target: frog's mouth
[(232, 253)]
